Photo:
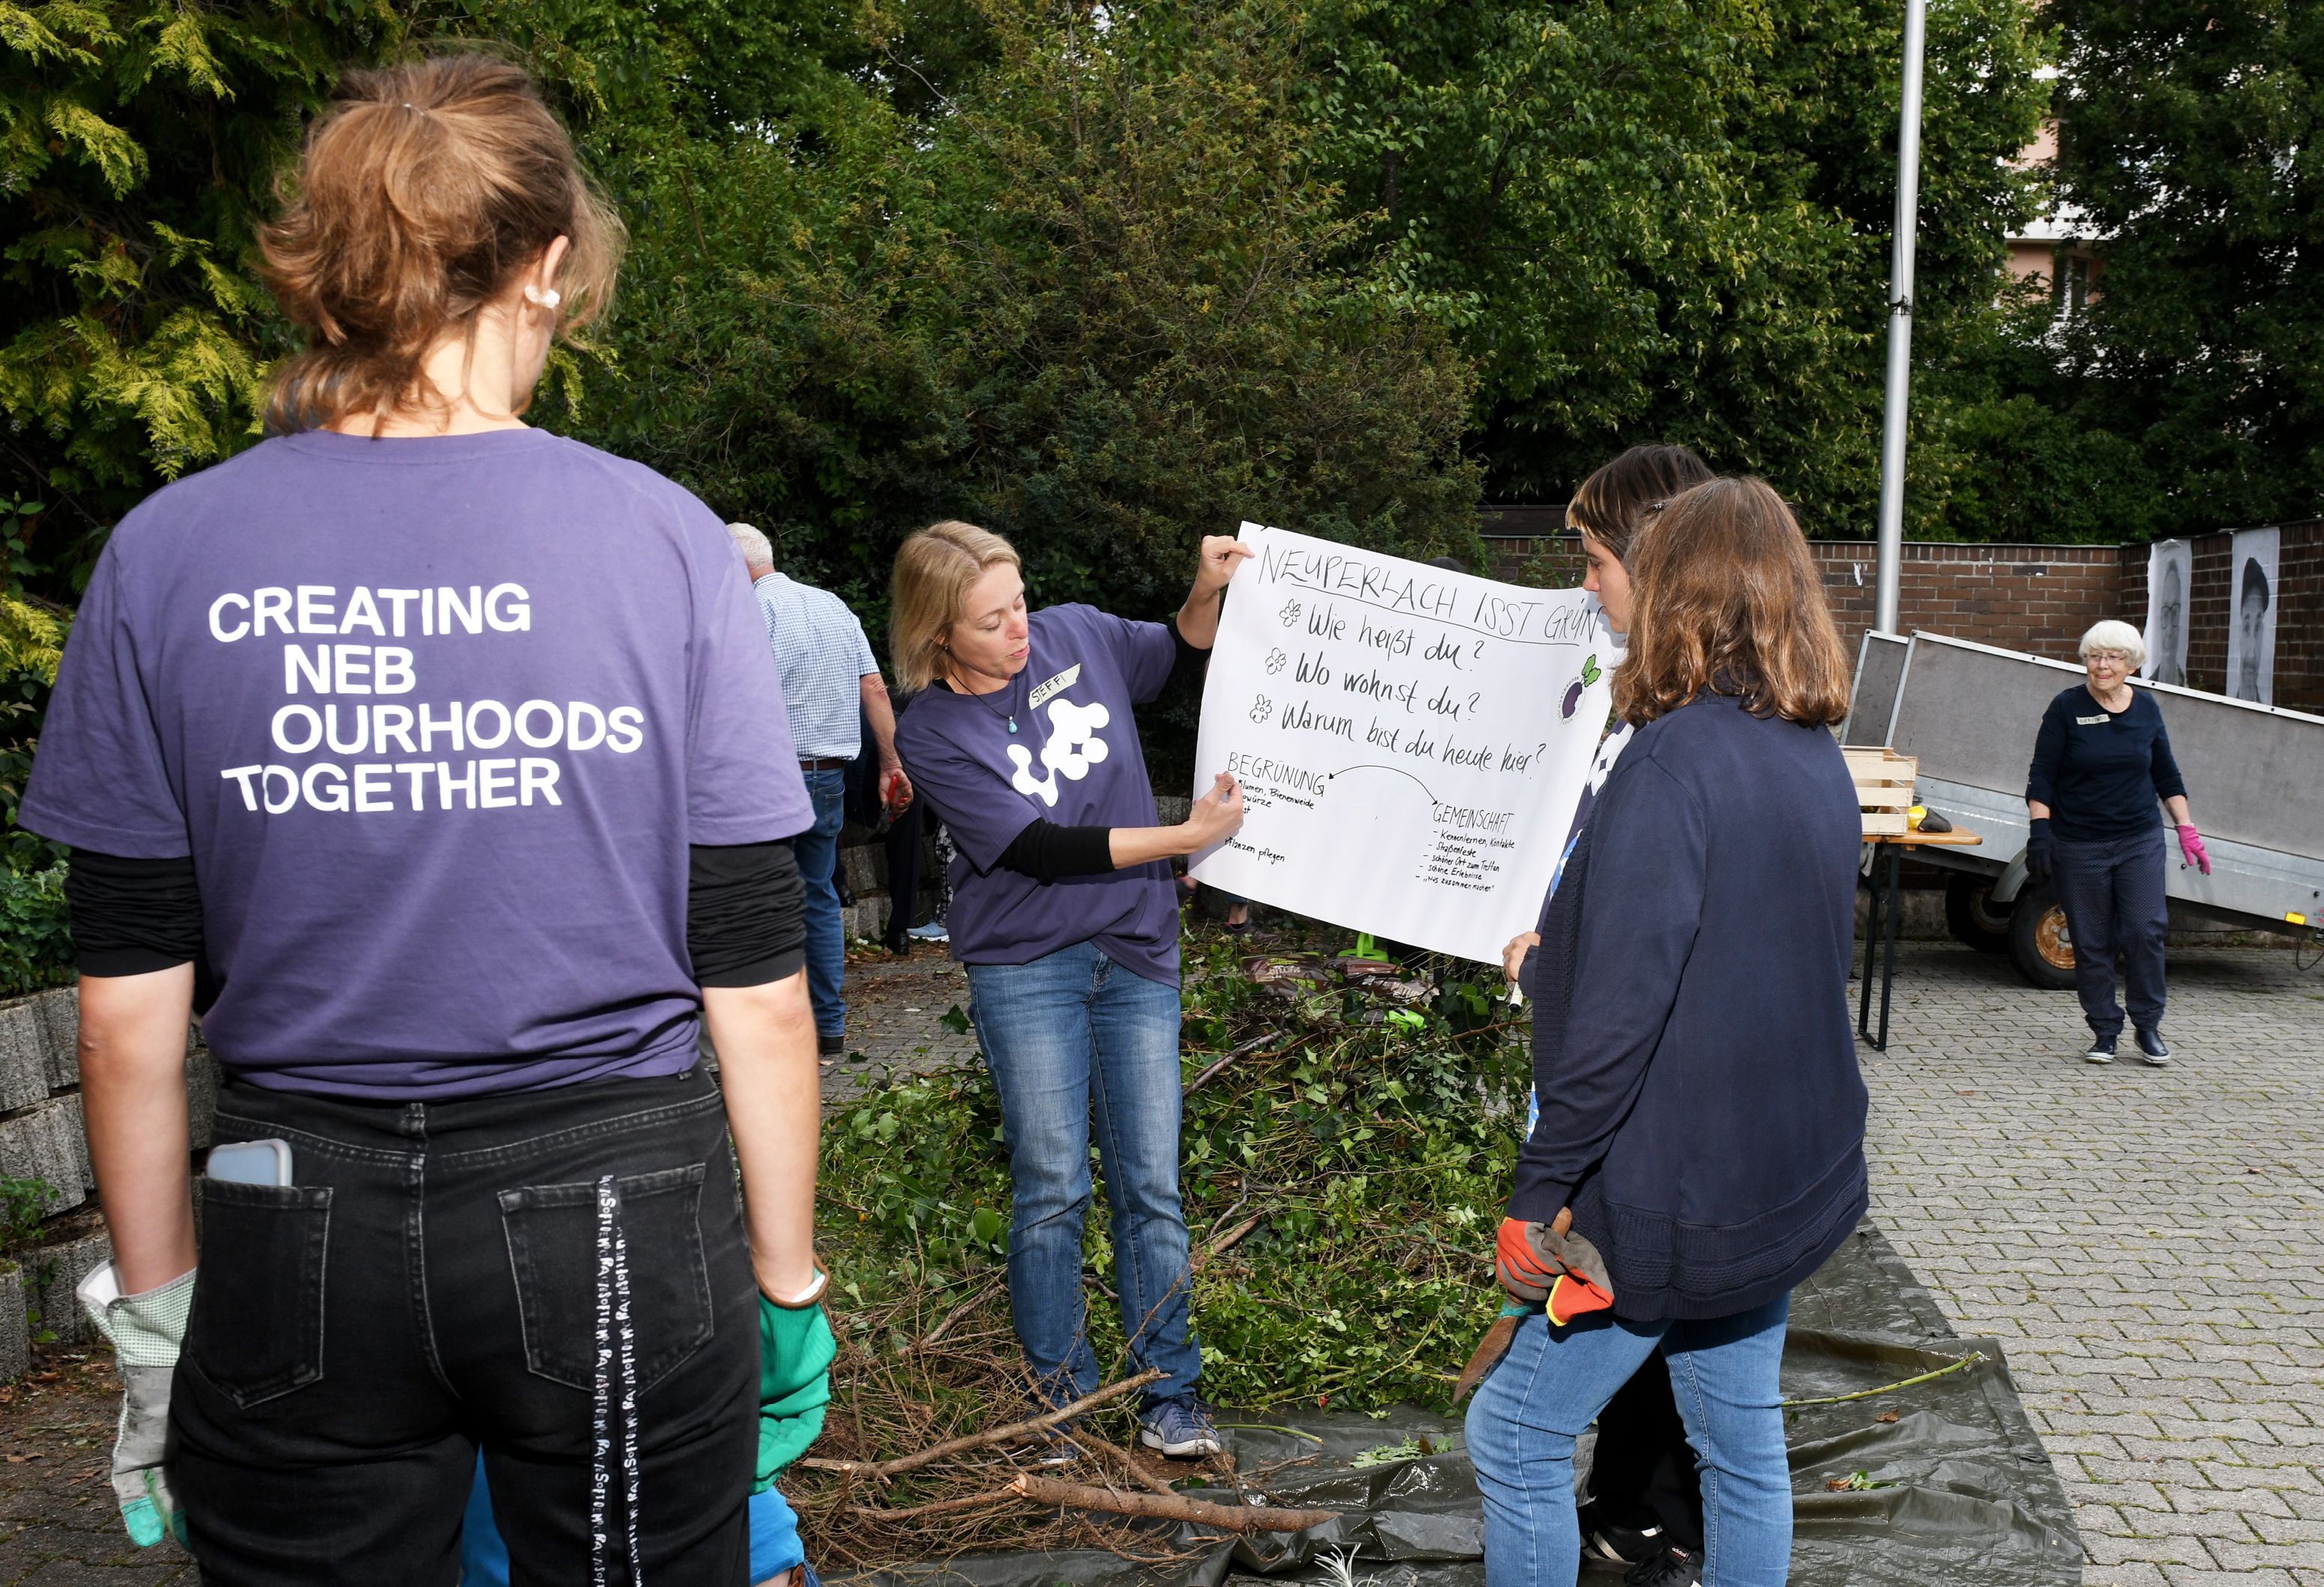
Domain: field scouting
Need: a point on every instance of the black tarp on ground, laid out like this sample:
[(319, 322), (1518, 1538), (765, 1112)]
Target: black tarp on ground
[(1966, 1496)]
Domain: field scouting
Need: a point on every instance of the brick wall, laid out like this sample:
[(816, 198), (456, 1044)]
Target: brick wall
[(2300, 621), (2034, 598), (2037, 598)]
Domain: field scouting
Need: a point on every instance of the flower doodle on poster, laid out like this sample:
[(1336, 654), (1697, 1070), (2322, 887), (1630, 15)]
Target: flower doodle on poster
[(1074, 747)]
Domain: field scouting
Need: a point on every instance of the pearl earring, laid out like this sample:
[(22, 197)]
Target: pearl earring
[(545, 299)]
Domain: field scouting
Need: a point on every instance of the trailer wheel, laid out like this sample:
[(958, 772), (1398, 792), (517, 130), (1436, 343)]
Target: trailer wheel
[(1971, 915), (2039, 943)]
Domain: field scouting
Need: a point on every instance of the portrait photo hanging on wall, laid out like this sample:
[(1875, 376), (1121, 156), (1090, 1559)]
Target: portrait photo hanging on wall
[(2251, 616), (2170, 570)]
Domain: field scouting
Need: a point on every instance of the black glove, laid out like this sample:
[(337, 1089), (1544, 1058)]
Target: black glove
[(2037, 850)]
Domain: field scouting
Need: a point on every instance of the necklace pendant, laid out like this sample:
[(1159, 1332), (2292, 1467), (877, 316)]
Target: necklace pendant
[(1012, 723)]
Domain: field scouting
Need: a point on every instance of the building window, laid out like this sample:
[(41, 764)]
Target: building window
[(2073, 290)]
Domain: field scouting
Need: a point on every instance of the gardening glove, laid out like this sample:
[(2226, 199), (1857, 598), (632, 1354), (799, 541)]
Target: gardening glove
[(2037, 850), (796, 1351), (1548, 1264), (2190, 843), (146, 1332)]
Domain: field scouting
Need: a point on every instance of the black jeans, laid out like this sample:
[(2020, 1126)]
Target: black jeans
[(442, 1276), (2113, 894)]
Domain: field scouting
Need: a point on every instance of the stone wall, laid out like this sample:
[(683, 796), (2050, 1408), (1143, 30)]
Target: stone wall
[(41, 1137)]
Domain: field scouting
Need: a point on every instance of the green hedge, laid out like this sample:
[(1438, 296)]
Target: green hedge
[(35, 939)]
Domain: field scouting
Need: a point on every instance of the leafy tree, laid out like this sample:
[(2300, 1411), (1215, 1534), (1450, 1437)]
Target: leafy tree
[(2190, 138), (1092, 301), (1671, 220), (138, 140)]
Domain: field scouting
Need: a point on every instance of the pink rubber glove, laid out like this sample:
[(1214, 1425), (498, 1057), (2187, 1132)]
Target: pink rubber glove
[(2190, 843)]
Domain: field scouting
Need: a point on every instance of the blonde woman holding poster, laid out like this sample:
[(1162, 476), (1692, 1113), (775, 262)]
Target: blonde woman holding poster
[(1021, 735)]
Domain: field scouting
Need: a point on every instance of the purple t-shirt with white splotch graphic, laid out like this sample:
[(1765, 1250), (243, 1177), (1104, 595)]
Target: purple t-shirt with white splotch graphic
[(437, 719), (1074, 760)]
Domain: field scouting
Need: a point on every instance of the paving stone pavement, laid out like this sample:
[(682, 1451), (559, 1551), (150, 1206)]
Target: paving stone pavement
[(2147, 1244), (896, 1011)]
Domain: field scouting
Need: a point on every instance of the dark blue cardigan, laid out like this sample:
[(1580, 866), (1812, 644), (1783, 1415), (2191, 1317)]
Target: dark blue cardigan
[(1701, 1107)]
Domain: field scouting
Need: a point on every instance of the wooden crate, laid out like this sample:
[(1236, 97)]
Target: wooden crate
[(1884, 787)]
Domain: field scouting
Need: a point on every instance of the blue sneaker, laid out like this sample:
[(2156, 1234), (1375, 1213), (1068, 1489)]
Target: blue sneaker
[(2101, 1050), (934, 931), (2153, 1049), (1180, 1428)]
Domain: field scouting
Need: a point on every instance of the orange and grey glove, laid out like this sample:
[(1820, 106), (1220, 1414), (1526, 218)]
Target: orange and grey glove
[(1549, 1265)]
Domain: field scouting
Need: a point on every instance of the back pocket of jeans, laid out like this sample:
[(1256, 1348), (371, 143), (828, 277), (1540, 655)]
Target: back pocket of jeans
[(256, 1330), (553, 1250)]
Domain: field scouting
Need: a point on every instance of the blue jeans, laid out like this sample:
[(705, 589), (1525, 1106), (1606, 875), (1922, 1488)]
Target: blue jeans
[(1071, 1029), (1552, 1384), (817, 849), (2112, 890)]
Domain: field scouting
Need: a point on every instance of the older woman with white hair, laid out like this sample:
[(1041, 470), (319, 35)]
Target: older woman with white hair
[(2100, 762)]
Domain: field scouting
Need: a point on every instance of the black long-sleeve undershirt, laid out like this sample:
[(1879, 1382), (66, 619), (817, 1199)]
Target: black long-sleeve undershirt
[(132, 917), (1046, 851), (745, 913)]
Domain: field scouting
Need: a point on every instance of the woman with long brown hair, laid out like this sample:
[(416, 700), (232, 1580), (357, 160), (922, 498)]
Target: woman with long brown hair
[(1699, 1146), (454, 751)]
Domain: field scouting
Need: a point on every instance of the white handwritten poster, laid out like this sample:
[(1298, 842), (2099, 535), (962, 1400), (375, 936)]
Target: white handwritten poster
[(1411, 742)]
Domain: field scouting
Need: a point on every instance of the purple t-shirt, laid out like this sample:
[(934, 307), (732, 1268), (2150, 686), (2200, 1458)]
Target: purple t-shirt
[(1074, 761), (436, 720)]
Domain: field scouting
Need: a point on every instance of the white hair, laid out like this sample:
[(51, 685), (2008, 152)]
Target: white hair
[(2114, 634), (755, 548)]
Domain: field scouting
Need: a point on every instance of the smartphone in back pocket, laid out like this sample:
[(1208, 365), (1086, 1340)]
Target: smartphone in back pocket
[(252, 1162)]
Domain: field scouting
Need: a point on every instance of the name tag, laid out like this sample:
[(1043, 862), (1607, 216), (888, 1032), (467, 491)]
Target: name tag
[(2092, 721), (1068, 678)]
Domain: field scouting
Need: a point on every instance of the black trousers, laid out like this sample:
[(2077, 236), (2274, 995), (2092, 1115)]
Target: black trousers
[(2113, 894), (442, 1276), (1642, 1471)]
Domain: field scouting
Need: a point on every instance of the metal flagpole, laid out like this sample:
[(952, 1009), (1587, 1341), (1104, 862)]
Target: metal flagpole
[(1889, 569)]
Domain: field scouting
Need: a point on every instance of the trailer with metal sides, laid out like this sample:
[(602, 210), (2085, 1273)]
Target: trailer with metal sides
[(1969, 712)]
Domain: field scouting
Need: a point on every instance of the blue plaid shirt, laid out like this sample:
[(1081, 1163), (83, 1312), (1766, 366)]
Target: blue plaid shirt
[(822, 657)]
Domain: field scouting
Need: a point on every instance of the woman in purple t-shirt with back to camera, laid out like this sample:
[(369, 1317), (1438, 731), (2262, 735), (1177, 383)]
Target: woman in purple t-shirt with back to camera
[(454, 750), (1020, 735)]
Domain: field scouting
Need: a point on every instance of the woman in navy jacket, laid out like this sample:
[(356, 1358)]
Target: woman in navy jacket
[(1700, 1145)]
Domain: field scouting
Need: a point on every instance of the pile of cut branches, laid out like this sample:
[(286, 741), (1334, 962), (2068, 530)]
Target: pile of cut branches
[(1349, 1138)]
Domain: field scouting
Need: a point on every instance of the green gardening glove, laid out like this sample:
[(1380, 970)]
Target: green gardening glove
[(796, 1351), (146, 1332)]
